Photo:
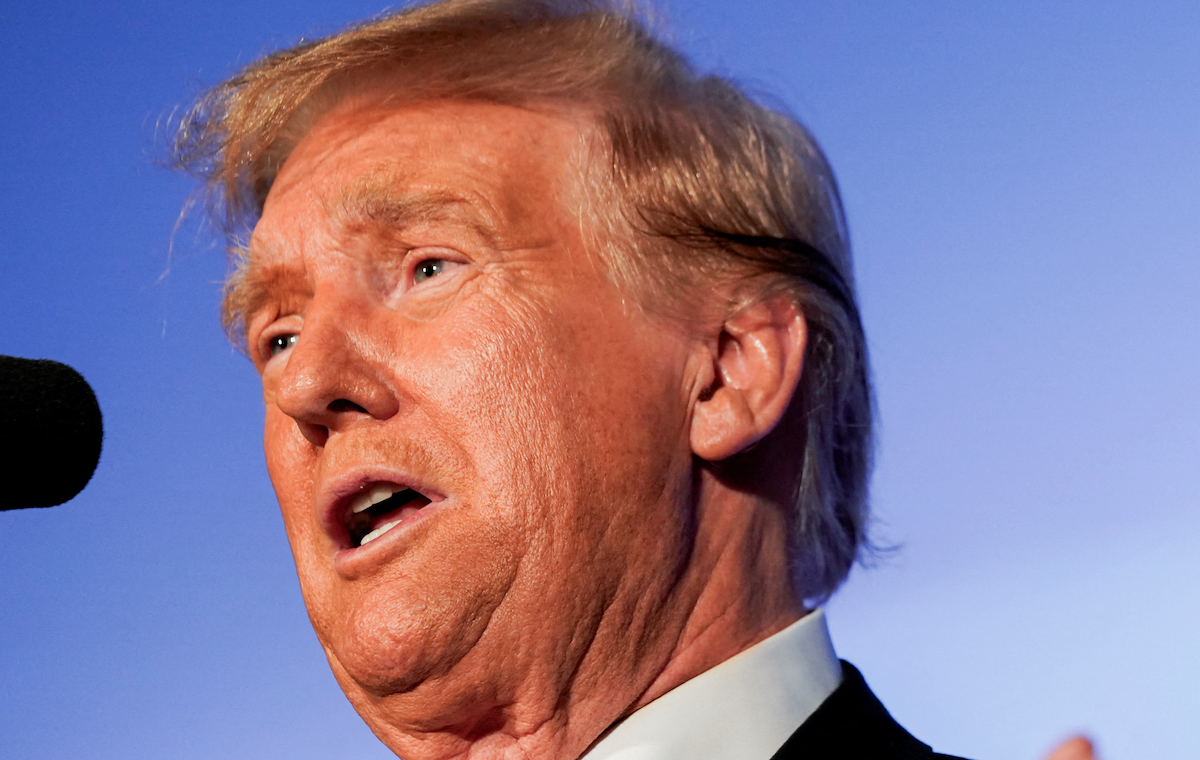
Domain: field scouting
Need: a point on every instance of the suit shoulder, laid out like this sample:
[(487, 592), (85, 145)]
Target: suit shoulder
[(853, 723)]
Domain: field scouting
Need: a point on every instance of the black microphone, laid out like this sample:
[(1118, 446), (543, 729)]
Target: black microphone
[(52, 431)]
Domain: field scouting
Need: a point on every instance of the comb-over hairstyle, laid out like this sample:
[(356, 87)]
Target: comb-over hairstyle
[(689, 180)]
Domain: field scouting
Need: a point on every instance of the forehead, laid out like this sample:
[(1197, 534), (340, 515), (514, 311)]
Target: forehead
[(503, 176), (498, 162)]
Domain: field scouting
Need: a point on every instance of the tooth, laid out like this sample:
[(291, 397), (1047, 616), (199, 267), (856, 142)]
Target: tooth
[(365, 501), (378, 532), (361, 503), (380, 492)]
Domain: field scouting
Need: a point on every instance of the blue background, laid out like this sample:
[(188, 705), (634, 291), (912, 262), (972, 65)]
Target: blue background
[(1023, 188)]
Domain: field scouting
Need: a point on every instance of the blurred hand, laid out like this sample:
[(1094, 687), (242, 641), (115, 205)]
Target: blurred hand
[(1078, 748)]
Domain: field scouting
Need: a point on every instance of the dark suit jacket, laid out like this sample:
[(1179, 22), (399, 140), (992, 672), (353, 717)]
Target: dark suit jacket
[(852, 724)]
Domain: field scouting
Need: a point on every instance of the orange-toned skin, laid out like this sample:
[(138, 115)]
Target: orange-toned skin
[(1077, 748), (580, 557)]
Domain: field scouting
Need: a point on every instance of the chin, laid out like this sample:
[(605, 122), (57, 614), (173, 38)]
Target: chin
[(396, 636), (424, 685)]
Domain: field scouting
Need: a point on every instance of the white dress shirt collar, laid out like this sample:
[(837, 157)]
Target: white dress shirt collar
[(743, 709)]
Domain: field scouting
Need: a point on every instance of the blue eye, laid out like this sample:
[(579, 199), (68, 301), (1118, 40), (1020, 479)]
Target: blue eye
[(428, 269), (281, 343)]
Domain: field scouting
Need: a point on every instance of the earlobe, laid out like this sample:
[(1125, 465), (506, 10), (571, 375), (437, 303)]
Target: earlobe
[(756, 364)]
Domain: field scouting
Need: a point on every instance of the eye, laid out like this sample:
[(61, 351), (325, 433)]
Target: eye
[(428, 269), (281, 343)]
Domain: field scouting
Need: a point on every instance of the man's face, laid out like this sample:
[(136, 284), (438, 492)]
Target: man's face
[(427, 323)]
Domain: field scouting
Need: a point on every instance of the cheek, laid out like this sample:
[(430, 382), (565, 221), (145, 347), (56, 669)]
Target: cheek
[(285, 457), (583, 415), (291, 466)]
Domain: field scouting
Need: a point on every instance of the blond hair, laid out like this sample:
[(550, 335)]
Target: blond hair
[(691, 172)]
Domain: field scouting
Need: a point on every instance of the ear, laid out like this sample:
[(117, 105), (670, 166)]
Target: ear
[(756, 366)]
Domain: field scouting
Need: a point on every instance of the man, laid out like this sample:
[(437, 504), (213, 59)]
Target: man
[(567, 401)]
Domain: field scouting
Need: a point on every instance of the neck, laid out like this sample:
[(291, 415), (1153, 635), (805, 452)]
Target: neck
[(745, 594), (730, 591)]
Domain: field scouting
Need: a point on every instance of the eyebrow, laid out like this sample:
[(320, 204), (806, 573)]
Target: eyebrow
[(372, 201), (250, 287)]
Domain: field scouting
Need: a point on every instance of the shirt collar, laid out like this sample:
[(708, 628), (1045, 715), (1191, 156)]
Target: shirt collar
[(745, 708)]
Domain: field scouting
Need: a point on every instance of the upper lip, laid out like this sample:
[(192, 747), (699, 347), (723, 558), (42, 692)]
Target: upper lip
[(335, 503)]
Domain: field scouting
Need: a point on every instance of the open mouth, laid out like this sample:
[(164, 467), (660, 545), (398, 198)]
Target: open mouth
[(380, 508)]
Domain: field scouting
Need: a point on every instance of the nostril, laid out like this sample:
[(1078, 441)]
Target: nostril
[(317, 435), (342, 405)]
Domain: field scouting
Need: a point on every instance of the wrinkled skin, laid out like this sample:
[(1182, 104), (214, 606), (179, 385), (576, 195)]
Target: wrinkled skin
[(423, 311)]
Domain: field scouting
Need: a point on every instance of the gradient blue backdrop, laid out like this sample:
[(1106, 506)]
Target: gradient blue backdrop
[(1022, 186)]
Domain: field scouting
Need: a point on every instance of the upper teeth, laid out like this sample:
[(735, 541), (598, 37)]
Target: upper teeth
[(376, 494)]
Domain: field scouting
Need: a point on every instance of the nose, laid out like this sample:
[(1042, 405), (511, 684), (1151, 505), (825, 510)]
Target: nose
[(336, 375)]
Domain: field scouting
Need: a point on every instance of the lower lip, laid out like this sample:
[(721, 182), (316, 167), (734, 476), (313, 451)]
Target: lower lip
[(350, 561)]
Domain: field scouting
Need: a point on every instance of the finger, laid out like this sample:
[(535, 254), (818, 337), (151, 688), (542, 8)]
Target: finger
[(1078, 748)]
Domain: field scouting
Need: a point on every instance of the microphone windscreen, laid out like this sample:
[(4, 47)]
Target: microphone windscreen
[(52, 432)]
